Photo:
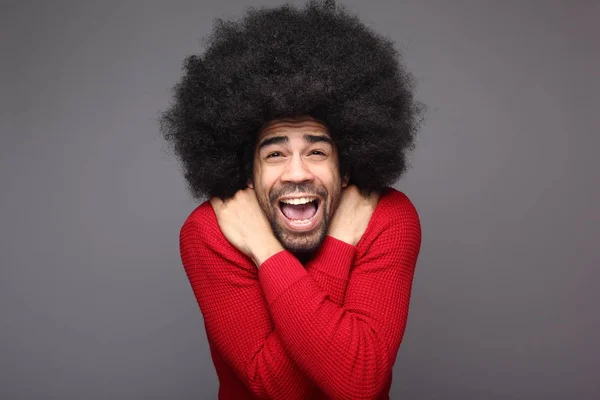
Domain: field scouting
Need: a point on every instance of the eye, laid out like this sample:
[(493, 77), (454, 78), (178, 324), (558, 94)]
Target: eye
[(318, 153), (273, 154)]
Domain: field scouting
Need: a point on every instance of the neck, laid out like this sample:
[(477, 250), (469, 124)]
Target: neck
[(304, 257)]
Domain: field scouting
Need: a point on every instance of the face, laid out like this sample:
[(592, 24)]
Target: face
[(297, 181)]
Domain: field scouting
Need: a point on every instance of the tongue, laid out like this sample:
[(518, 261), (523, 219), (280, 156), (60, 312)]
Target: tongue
[(299, 211)]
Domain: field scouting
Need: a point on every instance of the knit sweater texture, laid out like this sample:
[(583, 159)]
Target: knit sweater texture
[(328, 329)]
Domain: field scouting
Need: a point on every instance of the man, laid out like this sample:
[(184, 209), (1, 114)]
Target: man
[(294, 122)]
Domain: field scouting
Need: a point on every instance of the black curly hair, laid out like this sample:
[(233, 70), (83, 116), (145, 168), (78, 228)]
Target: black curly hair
[(317, 61)]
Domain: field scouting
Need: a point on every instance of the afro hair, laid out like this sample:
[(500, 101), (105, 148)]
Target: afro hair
[(318, 61)]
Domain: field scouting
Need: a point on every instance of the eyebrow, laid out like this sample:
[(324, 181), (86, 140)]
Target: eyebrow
[(284, 139)]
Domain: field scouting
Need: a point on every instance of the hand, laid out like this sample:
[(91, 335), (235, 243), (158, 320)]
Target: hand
[(352, 216), (245, 225)]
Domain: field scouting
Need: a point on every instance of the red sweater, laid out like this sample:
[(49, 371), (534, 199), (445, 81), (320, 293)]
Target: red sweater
[(329, 329)]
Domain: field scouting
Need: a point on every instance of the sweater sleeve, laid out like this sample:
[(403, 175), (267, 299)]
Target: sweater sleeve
[(348, 351), (236, 317), (330, 268)]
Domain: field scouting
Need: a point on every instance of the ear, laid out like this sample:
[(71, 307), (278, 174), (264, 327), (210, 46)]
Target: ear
[(250, 185), (345, 180)]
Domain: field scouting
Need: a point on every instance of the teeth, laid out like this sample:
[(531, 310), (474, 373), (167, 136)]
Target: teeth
[(301, 221), (301, 200)]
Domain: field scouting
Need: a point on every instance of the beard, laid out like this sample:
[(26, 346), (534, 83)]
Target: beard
[(302, 244)]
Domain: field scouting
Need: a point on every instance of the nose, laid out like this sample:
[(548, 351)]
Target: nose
[(297, 171)]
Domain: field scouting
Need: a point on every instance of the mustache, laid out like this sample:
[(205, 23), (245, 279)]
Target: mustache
[(297, 188)]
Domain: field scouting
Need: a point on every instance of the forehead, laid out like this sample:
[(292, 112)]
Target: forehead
[(293, 127)]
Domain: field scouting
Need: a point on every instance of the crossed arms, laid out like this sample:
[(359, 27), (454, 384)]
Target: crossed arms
[(284, 328)]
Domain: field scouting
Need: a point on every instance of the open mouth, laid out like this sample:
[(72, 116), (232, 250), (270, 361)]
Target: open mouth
[(300, 213)]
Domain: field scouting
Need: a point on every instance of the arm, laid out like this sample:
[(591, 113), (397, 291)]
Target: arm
[(330, 268), (349, 350), (236, 317)]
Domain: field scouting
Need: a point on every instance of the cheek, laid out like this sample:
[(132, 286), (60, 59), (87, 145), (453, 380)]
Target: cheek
[(329, 176), (268, 179), (264, 180)]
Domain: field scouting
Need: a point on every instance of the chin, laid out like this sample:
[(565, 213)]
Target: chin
[(301, 235), (300, 242), (303, 245)]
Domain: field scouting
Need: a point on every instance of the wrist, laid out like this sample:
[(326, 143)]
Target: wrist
[(265, 249)]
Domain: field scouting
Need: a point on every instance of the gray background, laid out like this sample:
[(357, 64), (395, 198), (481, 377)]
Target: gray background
[(94, 303)]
